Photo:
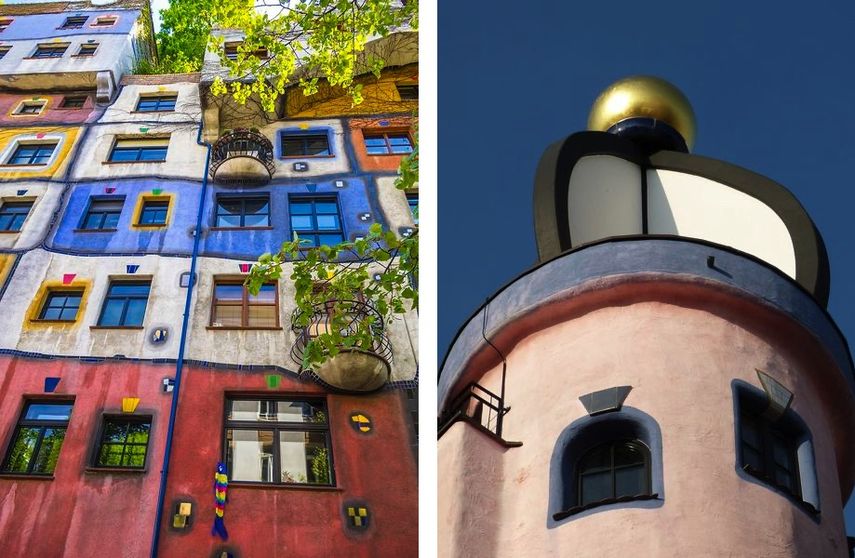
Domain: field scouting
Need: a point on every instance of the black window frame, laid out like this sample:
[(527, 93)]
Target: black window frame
[(74, 22), (50, 50), (277, 427), (6, 205), (99, 442), (162, 207), (58, 292), (304, 137), (43, 425), (118, 148), (73, 99), (638, 445), (768, 433), (314, 233), (93, 200), (162, 103), (243, 199), (36, 155), (108, 296)]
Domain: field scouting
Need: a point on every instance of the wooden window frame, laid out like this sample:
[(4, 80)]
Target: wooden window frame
[(277, 427), (244, 305)]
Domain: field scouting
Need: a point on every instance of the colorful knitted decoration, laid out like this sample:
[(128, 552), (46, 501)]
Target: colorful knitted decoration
[(221, 484)]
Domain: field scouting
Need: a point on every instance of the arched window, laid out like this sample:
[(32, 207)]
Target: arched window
[(613, 470)]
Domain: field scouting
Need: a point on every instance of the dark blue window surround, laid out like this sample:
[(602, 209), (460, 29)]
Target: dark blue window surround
[(13, 214), (125, 303), (139, 150), (161, 103), (312, 143), (316, 219), (31, 155)]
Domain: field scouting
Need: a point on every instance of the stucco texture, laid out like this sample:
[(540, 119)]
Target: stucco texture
[(64, 137), (45, 198), (680, 348)]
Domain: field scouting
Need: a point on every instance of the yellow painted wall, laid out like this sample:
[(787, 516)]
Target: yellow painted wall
[(380, 96), (59, 161), (6, 262)]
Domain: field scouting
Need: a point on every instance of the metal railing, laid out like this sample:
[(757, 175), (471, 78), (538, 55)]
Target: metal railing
[(478, 406), (352, 314), (242, 143)]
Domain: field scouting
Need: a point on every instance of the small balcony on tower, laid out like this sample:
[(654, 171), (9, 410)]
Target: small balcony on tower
[(359, 365), (242, 157)]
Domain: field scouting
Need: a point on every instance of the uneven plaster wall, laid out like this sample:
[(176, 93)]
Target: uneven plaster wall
[(115, 54), (394, 203), (164, 309), (45, 198), (338, 163), (11, 103), (187, 107), (184, 158), (65, 138), (80, 511), (681, 363), (47, 25), (378, 163)]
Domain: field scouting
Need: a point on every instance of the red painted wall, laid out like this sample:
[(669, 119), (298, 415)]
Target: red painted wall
[(378, 469), (51, 114), (79, 512)]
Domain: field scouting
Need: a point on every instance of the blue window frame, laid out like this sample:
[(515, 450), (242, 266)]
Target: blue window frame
[(102, 214), (382, 142), (316, 219), (125, 303), (160, 103), (139, 150), (301, 144), (154, 212), (13, 215), (50, 50), (38, 438), (61, 306), (32, 155)]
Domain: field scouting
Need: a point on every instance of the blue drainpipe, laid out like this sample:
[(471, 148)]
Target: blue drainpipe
[(179, 365)]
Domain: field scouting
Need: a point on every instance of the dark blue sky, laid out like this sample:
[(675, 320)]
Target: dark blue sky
[(772, 85)]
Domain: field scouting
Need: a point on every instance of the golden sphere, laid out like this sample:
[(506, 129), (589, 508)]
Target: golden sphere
[(643, 97)]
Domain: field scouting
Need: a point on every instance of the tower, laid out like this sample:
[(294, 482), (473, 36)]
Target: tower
[(666, 380)]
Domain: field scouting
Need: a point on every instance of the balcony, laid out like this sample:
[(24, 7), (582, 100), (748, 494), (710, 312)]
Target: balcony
[(481, 408), (352, 369), (242, 158)]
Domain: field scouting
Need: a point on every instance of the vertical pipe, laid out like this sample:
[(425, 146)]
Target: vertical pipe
[(179, 365)]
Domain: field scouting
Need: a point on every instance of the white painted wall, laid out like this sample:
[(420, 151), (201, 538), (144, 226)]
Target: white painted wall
[(45, 198), (318, 166), (604, 199), (394, 203), (187, 107), (689, 205), (115, 53)]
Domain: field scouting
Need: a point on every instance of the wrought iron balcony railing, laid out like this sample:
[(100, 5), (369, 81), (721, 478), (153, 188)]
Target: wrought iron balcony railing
[(479, 407), (242, 157), (353, 369)]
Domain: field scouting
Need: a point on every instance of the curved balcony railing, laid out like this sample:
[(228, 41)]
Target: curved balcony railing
[(242, 157), (353, 369)]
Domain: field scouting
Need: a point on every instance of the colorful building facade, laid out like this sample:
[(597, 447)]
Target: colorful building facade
[(133, 360), (666, 381)]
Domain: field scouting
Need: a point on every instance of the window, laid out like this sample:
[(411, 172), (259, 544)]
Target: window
[(305, 145), (408, 92), (614, 470), (74, 22), (32, 154), (4, 50), (235, 212), (234, 306), (154, 212), (278, 441), (104, 21), (124, 305), (4, 23), (13, 214), (134, 150), (31, 107), (123, 443), (413, 202), (73, 102), (231, 51), (387, 143), (103, 214), (87, 49), (61, 305), (161, 103), (38, 438), (50, 50), (769, 453), (316, 219)]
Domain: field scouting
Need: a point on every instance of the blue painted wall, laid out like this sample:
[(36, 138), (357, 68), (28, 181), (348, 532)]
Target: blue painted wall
[(46, 26)]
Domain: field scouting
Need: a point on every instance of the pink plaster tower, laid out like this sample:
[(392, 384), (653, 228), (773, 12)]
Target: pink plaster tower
[(667, 380)]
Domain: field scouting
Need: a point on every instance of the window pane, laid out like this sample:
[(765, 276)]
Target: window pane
[(122, 155), (752, 457), (112, 313), (317, 146), (68, 314), (596, 486), (251, 409), (229, 207), (133, 289), (134, 456), (22, 449), (228, 316), (300, 411), (49, 450), (782, 454), (630, 481), (229, 292), (115, 432), (750, 434), (329, 239), (111, 221), (597, 459), (328, 222), (136, 312), (262, 316), (267, 293), (628, 454), (110, 455), (301, 222), (52, 314), (48, 411), (228, 221), (153, 154), (304, 457), (301, 208), (249, 455), (257, 206), (326, 207), (260, 220)]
